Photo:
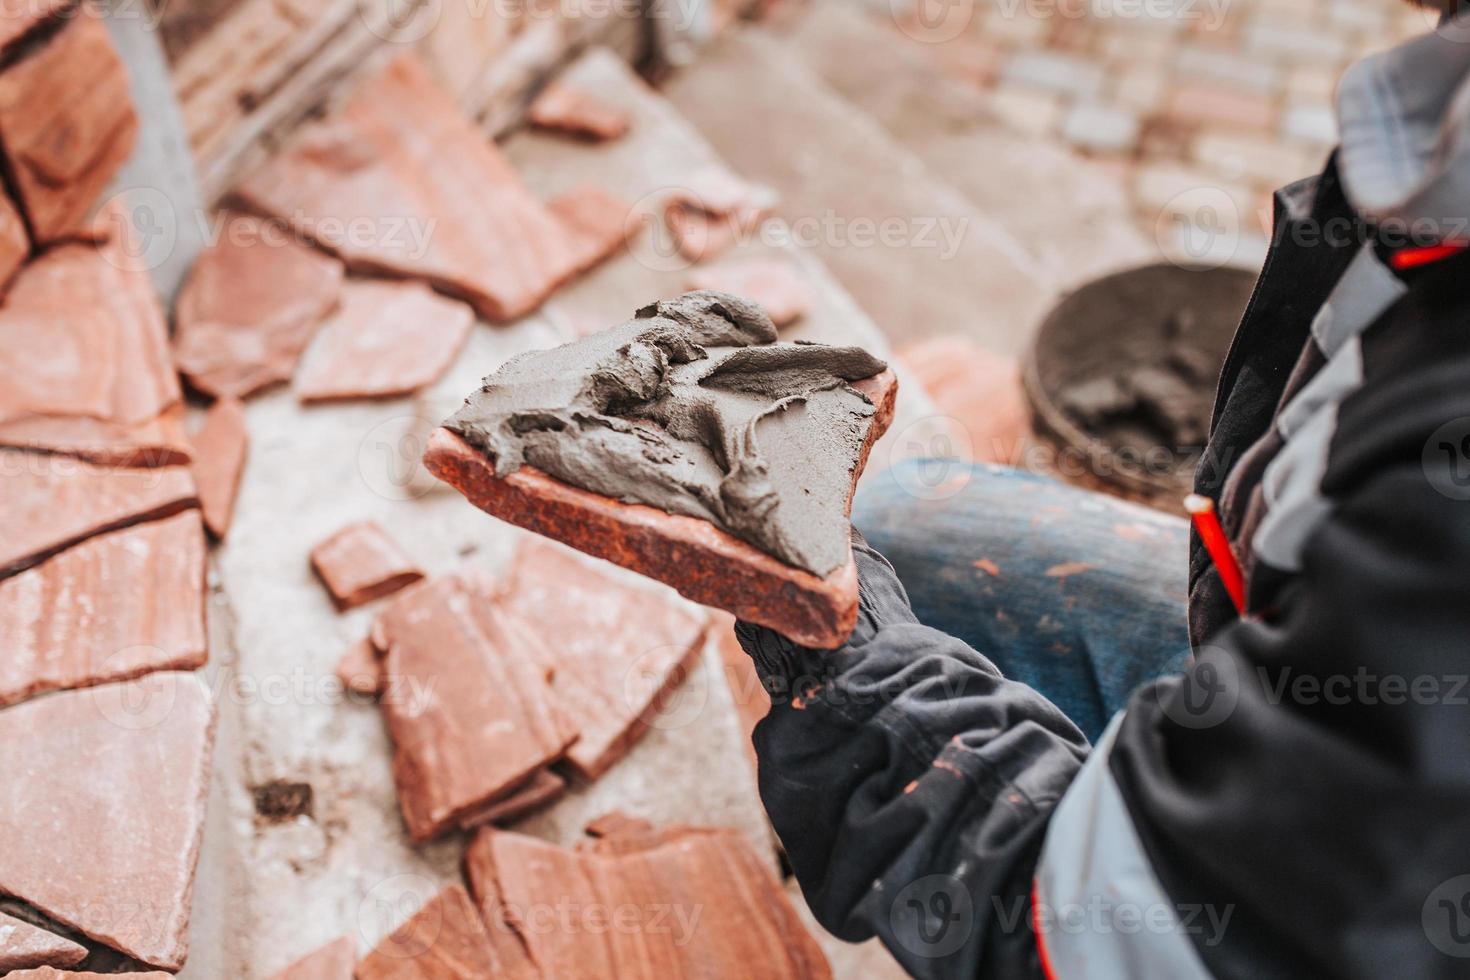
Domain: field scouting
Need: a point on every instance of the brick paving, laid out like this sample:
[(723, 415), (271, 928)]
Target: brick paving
[(1207, 105)]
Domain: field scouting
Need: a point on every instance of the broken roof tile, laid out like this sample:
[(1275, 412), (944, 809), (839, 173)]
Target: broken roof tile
[(48, 973), (220, 447), (117, 775), (333, 961), (388, 338), (24, 946), (540, 790), (84, 365), (360, 563), (486, 719), (597, 223), (360, 669), (771, 284), (746, 926), (15, 244), (446, 940), (114, 607), (714, 212), (566, 108), (66, 125), (444, 204), (615, 647), (250, 306), (19, 18), (53, 502)]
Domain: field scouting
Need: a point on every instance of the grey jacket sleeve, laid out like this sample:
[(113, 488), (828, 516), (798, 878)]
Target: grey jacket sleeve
[(911, 785)]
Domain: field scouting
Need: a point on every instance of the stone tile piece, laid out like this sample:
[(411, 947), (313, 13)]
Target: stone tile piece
[(84, 365), (597, 223), (117, 776), (776, 286), (250, 306), (488, 719), (446, 940), (66, 125), (333, 961), (53, 502), (445, 206), (388, 338), (615, 647), (701, 561), (23, 947), (1095, 126), (543, 789), (566, 108), (1054, 72), (360, 563), (220, 448), (114, 607), (746, 928)]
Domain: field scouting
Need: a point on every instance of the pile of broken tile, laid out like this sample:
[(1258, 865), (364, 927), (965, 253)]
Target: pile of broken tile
[(536, 680)]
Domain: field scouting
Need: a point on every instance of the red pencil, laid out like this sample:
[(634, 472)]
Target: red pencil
[(1207, 523)]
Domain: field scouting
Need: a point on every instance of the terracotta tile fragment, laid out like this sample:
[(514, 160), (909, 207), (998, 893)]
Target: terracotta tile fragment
[(445, 940), (53, 502), (388, 338), (486, 720), (596, 222), (774, 285), (116, 606), (542, 789), (14, 242), (23, 946), (66, 125), (19, 18), (250, 306), (360, 563), (332, 962), (360, 669), (702, 562), (84, 365), (615, 648), (746, 927), (400, 149), (47, 973), (565, 108), (714, 212), (117, 775), (220, 447)]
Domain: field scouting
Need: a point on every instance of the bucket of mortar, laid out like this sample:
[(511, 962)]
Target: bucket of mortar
[(1121, 378)]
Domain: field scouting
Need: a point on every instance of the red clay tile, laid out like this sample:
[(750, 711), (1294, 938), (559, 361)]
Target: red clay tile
[(117, 776), (445, 940), (23, 947), (360, 563), (980, 390), (66, 125), (615, 648), (19, 18), (333, 961), (360, 669), (47, 973), (388, 338), (596, 222), (714, 212), (219, 459), (84, 365), (250, 306), (15, 244), (53, 502), (444, 205), (543, 789), (487, 721), (774, 285), (114, 607), (567, 109), (650, 884), (701, 561)]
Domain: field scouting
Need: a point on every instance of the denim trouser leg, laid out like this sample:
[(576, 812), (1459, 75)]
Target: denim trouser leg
[(1078, 594)]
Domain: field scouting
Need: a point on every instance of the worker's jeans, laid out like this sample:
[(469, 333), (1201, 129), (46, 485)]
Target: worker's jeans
[(1078, 594)]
